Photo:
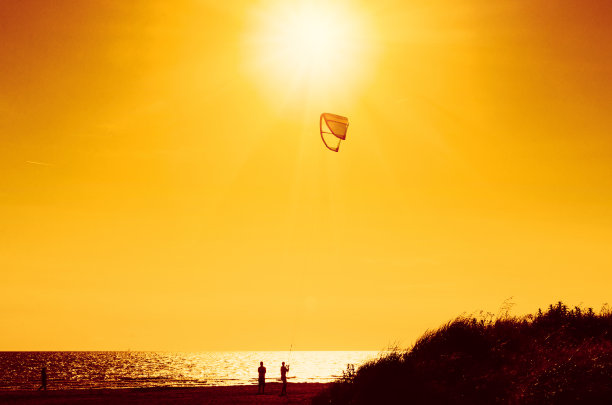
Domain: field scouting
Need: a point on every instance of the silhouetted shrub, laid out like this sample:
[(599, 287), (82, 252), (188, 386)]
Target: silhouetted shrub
[(557, 356)]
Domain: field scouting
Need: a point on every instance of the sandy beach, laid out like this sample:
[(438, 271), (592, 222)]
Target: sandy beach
[(299, 394)]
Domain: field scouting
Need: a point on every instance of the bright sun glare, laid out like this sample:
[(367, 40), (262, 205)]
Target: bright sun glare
[(311, 41), (309, 45)]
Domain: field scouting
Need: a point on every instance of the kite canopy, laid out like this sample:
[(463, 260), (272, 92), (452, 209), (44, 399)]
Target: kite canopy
[(333, 130)]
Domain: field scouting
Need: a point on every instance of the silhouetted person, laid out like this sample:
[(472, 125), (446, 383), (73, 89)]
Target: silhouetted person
[(262, 378), (284, 371), (43, 379)]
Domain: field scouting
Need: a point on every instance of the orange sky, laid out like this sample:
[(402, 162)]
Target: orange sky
[(163, 185)]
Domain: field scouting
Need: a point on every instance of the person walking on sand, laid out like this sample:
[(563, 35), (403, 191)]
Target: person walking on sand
[(284, 370), (262, 378), (43, 379)]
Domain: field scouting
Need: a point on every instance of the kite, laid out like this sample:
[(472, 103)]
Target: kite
[(333, 130)]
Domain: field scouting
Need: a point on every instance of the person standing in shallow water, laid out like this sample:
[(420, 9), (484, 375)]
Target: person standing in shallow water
[(43, 379), (262, 378), (284, 370)]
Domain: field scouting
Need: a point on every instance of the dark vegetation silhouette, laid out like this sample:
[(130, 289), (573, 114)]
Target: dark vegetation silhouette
[(557, 356)]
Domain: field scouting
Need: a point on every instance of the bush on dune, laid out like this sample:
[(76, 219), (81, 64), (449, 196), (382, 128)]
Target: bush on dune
[(556, 356)]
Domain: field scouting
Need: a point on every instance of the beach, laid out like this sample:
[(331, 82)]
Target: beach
[(298, 394)]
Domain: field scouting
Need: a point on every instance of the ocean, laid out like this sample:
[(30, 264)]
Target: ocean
[(127, 369)]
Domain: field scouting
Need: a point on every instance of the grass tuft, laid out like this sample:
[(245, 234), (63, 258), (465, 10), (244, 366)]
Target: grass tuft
[(557, 356)]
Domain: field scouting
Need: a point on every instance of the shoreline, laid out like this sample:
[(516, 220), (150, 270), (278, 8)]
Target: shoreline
[(298, 393)]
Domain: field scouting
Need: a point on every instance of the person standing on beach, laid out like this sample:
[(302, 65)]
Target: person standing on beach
[(284, 370), (262, 378), (43, 378)]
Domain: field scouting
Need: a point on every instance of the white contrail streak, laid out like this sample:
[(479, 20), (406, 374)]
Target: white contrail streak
[(38, 163)]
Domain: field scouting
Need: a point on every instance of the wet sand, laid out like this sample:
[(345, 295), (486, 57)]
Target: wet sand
[(299, 394)]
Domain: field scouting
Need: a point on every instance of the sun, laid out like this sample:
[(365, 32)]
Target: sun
[(310, 41), (309, 45)]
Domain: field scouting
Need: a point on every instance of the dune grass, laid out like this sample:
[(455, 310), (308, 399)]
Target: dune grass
[(556, 356)]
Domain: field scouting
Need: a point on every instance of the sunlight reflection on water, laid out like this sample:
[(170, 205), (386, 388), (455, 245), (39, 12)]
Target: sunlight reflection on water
[(21, 370)]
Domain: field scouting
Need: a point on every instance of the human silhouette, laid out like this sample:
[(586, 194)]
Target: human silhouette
[(262, 378), (284, 370), (43, 378)]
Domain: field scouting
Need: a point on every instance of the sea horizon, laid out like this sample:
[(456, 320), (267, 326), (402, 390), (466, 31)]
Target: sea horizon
[(145, 369)]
